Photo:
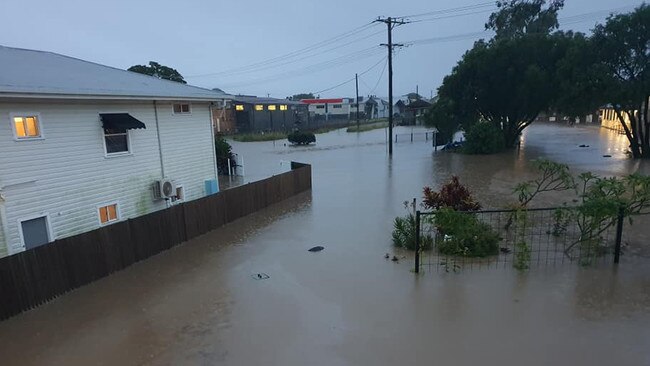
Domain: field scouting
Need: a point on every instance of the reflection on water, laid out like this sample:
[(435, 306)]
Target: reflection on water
[(347, 305)]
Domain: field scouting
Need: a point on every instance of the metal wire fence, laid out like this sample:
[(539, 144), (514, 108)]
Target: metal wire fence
[(416, 136), (515, 239)]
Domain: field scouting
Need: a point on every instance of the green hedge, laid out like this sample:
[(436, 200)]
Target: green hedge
[(301, 138)]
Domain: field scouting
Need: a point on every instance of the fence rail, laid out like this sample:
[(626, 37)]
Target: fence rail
[(35, 276), (416, 136), (525, 239)]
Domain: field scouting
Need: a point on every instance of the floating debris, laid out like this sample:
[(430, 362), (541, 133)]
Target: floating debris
[(395, 259), (316, 248), (387, 256), (260, 276), (607, 156), (583, 145), (505, 250)]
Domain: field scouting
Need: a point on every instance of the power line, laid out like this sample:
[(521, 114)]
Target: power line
[(490, 4), (452, 16), (273, 66), (300, 52), (352, 79), (378, 80), (352, 57)]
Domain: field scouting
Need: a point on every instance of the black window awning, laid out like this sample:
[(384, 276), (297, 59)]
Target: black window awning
[(120, 121)]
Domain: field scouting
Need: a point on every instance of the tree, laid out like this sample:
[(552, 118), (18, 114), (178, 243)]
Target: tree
[(160, 71), (507, 82), (622, 47), (442, 117), (520, 17), (301, 96)]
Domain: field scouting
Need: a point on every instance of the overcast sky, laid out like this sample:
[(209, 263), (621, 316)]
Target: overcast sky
[(212, 43)]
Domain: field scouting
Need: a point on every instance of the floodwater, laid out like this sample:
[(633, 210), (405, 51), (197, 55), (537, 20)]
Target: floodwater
[(198, 304)]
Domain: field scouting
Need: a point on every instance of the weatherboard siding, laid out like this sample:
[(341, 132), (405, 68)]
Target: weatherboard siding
[(67, 175), (187, 146)]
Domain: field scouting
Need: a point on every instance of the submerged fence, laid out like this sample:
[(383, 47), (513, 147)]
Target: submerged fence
[(520, 239), (36, 276)]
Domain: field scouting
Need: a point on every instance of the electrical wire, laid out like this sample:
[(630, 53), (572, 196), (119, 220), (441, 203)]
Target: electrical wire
[(490, 4), (352, 79), (298, 53), (339, 61)]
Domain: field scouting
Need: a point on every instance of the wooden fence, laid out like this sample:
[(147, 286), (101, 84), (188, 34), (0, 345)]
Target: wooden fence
[(35, 276)]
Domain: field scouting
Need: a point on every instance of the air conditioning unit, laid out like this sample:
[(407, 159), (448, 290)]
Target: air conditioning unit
[(164, 189)]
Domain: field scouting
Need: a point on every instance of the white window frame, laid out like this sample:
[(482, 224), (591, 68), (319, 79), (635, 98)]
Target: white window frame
[(118, 212), (48, 224), (182, 113), (41, 135), (103, 137)]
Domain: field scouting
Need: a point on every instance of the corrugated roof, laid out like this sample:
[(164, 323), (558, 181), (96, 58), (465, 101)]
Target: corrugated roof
[(30, 73)]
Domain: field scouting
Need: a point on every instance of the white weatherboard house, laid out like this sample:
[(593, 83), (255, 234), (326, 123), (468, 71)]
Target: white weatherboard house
[(84, 145)]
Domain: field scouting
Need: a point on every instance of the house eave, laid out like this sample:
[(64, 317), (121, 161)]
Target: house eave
[(12, 95)]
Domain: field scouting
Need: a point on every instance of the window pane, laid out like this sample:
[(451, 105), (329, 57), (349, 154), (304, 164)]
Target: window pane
[(259, 107), (116, 144), (32, 127), (239, 107), (103, 215), (112, 212), (19, 122), (185, 108), (283, 107), (177, 108)]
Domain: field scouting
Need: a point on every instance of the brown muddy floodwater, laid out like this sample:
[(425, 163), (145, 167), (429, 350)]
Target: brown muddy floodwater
[(198, 304)]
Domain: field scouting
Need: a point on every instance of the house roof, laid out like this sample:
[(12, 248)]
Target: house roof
[(250, 99), (38, 74), (417, 104)]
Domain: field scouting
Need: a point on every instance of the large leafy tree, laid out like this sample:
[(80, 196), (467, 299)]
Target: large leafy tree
[(622, 47), (506, 82), (519, 17), (160, 71)]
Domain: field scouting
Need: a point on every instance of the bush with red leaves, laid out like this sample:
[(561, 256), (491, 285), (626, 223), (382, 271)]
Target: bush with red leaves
[(453, 195)]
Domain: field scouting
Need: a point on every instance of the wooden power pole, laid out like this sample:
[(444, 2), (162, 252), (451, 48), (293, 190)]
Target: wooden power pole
[(390, 23), (356, 81)]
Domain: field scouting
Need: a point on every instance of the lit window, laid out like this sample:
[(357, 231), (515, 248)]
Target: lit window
[(116, 141), (108, 213), (26, 127), (283, 107), (239, 107), (259, 107), (271, 107), (181, 108)]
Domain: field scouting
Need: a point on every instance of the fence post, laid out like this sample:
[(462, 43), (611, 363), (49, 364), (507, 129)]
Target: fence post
[(619, 235), (417, 241)]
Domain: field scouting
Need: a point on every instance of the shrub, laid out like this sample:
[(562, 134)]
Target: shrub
[(453, 195), (465, 235), (483, 138), (404, 234), (301, 138), (223, 151)]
